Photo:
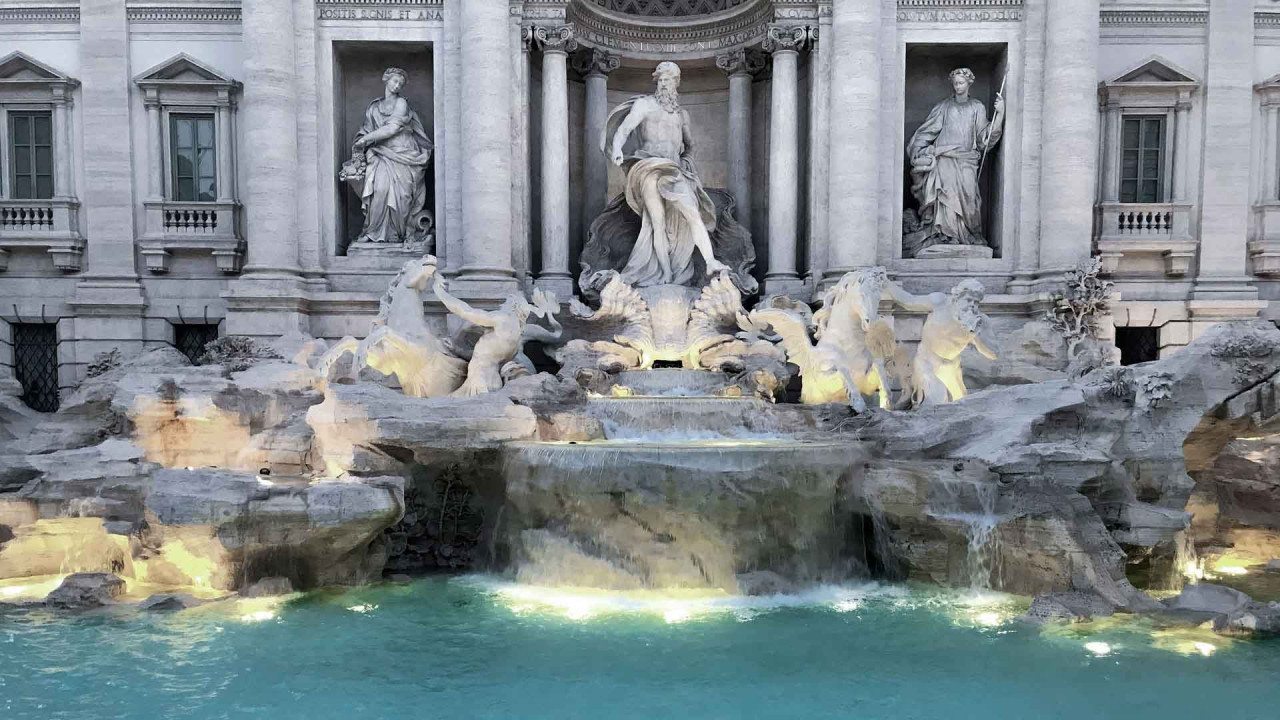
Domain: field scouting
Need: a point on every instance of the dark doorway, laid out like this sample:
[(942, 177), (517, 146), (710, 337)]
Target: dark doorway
[(35, 362), (1138, 344)]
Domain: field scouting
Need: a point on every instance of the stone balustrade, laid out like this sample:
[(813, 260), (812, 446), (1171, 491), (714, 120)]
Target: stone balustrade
[(49, 224), (1146, 228), (191, 226)]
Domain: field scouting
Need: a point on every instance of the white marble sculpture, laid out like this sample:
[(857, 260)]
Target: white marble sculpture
[(946, 155), (500, 351), (662, 186), (955, 322), (401, 341), (853, 345), (388, 168)]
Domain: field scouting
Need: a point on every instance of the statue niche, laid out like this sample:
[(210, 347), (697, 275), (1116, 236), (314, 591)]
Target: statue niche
[(388, 169), (946, 157)]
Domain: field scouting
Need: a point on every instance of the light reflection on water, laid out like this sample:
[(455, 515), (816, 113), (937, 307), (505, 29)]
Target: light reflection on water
[(479, 647)]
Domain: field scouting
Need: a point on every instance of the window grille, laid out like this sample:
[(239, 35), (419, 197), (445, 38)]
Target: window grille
[(1138, 344), (190, 338), (35, 362)]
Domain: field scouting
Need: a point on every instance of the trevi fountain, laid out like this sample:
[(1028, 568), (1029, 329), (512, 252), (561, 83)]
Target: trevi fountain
[(639, 358)]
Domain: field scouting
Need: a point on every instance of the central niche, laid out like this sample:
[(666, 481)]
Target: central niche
[(668, 8)]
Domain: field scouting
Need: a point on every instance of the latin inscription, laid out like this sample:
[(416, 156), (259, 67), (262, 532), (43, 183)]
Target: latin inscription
[(381, 14)]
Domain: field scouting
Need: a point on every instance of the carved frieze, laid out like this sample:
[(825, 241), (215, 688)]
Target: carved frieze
[(1155, 18), (966, 11), (391, 11), (696, 36)]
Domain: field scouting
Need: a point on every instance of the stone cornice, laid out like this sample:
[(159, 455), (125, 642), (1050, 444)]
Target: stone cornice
[(1266, 19), (683, 37), (1154, 18), (159, 13), (48, 14)]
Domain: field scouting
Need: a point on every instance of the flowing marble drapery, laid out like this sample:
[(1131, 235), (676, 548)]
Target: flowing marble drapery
[(945, 155), (394, 197), (681, 190)]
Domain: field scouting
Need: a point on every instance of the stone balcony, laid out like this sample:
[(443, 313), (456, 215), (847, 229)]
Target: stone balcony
[(51, 225), (191, 226), (1162, 229)]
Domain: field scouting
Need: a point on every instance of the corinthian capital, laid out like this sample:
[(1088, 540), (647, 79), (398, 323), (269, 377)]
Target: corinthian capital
[(594, 61), (555, 39), (737, 62), (786, 38)]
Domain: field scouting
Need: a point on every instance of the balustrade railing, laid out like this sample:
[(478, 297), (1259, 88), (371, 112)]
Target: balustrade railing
[(179, 219), (26, 217)]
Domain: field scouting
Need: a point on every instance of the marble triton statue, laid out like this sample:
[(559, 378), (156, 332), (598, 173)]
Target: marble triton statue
[(945, 155), (390, 155), (662, 187)]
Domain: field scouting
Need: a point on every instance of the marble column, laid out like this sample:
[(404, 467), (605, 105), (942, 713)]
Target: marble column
[(1270, 115), (819, 148), (741, 66), (486, 146), (1223, 289), (270, 140), (595, 65), (108, 154), (108, 301), (155, 150), (556, 44), (1068, 170), (854, 185), (784, 159), (223, 154), (1110, 155), (62, 145)]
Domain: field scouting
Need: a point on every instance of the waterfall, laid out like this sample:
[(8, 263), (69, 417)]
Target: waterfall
[(971, 504)]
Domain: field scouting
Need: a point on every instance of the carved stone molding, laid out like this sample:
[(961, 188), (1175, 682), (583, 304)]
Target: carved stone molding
[(1155, 18), (741, 61), (555, 39), (32, 15), (698, 36), (786, 38), (594, 61), (1264, 19), (183, 14)]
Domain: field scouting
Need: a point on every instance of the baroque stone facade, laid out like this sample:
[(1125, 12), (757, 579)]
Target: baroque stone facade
[(170, 172)]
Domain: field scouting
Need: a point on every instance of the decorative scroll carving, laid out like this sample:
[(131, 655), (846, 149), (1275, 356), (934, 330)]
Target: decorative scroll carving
[(555, 39), (786, 38), (741, 61), (592, 61)]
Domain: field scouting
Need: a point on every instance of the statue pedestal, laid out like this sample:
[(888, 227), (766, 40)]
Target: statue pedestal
[(935, 252), (402, 251)]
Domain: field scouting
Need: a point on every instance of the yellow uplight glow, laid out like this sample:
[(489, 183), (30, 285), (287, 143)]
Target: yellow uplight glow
[(1231, 570), (1205, 648), (1098, 648)]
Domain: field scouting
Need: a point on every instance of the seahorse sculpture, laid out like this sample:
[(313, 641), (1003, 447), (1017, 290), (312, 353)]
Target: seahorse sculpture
[(851, 344), (401, 341)]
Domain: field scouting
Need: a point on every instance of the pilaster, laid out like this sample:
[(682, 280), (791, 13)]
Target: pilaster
[(784, 42), (556, 43)]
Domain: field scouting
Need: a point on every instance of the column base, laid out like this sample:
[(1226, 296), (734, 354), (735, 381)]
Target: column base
[(788, 285), (560, 285), (268, 305)]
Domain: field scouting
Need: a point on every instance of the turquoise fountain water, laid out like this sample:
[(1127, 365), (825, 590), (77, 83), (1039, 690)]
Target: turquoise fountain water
[(477, 648)]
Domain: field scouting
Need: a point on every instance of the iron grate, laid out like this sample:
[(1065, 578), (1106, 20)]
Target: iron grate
[(35, 362), (1138, 344), (190, 339)]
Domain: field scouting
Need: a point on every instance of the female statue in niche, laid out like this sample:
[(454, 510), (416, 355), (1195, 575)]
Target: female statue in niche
[(390, 156), (946, 155)]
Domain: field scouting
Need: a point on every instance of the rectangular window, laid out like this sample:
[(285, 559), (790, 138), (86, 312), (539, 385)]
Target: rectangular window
[(35, 362), (1138, 344), (193, 163), (190, 339), (1142, 168), (31, 150)]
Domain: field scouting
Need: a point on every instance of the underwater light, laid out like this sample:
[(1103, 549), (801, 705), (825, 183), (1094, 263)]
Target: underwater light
[(259, 616), (1098, 648), (989, 619), (1231, 570), (363, 609), (13, 591), (1205, 648)]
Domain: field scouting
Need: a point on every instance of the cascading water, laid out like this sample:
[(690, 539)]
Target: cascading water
[(971, 504)]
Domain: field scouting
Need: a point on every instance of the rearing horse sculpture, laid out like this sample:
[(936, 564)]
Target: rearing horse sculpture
[(402, 342), (852, 344)]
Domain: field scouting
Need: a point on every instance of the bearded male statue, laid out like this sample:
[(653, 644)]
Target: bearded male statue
[(935, 375), (662, 186)]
